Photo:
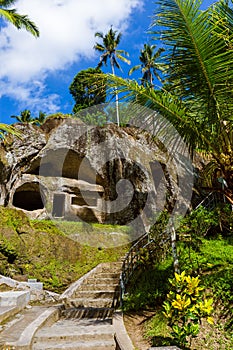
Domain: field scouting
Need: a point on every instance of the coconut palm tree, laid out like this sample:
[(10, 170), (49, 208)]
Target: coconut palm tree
[(198, 96), (19, 21), (149, 65), (110, 52)]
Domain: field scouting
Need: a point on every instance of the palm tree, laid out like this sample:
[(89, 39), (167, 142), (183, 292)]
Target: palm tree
[(40, 119), (19, 21), (197, 98), (26, 117), (149, 64), (109, 51)]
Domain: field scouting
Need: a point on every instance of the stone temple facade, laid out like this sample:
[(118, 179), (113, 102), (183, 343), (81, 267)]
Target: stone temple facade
[(66, 169)]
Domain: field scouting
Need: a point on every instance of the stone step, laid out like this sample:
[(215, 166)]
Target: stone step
[(100, 286), (75, 330), (104, 280), (94, 294), (76, 334), (20, 330), (88, 345), (14, 298), (99, 303), (116, 270), (111, 265), (109, 274), (7, 311), (91, 313)]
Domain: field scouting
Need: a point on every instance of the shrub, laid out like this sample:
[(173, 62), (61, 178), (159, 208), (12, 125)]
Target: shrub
[(185, 306)]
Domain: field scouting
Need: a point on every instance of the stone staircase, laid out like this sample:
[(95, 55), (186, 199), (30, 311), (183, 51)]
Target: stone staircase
[(80, 334), (82, 319), (99, 290)]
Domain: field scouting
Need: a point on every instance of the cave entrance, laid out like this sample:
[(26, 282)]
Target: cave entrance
[(28, 197), (59, 205)]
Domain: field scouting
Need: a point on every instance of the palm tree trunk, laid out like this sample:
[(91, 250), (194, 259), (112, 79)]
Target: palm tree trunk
[(117, 100), (173, 246)]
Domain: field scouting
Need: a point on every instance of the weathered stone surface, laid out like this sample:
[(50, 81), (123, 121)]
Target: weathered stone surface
[(69, 170)]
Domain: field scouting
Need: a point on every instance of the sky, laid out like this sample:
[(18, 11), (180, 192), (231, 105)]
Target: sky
[(36, 73)]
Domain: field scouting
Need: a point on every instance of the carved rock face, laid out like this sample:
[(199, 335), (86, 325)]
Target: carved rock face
[(66, 169)]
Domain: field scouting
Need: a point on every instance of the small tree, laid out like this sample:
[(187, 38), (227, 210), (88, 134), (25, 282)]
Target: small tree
[(26, 117), (84, 90), (185, 307)]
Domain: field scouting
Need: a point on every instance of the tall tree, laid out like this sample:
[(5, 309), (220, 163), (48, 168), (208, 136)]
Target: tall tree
[(109, 51), (19, 21), (84, 92), (149, 64)]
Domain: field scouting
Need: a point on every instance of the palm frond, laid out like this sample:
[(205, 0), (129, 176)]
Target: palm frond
[(203, 69), (161, 101), (22, 21), (7, 3), (8, 129), (19, 21), (122, 58), (99, 35), (134, 68), (99, 47)]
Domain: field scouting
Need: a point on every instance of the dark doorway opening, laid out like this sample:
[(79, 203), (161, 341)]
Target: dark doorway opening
[(28, 197), (58, 205)]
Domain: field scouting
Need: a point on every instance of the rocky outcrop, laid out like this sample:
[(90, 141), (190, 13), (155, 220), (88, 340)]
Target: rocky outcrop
[(66, 169)]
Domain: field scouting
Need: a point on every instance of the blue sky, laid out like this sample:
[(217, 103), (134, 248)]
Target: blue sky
[(36, 74)]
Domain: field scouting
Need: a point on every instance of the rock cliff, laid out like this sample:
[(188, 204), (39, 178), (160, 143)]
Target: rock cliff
[(66, 169)]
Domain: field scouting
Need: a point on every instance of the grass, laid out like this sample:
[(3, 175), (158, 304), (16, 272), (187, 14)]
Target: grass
[(97, 235), (50, 253), (213, 261)]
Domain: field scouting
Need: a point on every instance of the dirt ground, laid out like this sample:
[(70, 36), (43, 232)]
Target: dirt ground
[(134, 323), (210, 337)]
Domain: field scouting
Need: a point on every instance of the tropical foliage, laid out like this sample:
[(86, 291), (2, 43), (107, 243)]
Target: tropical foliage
[(109, 49), (26, 117), (19, 21), (197, 94), (110, 52), (186, 306), (149, 65), (4, 129), (83, 90)]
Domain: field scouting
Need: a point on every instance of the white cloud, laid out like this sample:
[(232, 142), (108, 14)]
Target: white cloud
[(67, 30)]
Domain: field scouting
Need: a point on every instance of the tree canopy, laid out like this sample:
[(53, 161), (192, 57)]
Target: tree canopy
[(84, 92)]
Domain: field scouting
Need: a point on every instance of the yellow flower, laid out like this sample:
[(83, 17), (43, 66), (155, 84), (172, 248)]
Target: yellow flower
[(210, 320), (206, 306), (180, 303), (180, 277)]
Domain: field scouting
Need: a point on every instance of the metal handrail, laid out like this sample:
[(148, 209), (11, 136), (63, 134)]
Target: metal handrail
[(132, 258), (131, 261), (209, 202)]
